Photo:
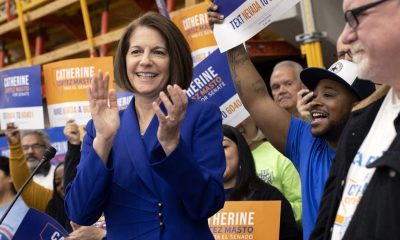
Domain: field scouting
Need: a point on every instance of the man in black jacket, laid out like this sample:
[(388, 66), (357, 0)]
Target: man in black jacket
[(361, 198)]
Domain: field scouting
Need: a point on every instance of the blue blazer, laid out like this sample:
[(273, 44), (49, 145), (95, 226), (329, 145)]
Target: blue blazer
[(143, 193)]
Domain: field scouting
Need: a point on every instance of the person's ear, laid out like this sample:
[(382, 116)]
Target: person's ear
[(10, 180)]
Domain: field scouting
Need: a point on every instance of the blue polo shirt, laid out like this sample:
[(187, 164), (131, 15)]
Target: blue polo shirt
[(313, 158)]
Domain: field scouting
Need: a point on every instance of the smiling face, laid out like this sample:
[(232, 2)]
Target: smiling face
[(330, 109), (232, 163), (147, 62), (284, 86), (375, 41)]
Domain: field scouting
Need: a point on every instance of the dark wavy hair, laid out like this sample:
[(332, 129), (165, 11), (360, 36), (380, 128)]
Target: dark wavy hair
[(55, 207), (247, 181), (181, 63)]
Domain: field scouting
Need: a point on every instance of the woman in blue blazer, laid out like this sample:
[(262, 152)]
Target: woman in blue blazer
[(154, 169)]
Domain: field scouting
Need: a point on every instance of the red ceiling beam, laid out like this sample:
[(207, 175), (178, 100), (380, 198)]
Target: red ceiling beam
[(146, 5), (72, 25)]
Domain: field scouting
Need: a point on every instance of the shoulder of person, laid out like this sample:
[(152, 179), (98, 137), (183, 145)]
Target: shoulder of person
[(374, 97)]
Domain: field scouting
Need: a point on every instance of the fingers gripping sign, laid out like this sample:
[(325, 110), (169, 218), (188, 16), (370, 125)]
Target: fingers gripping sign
[(71, 131), (12, 133), (213, 16), (169, 125)]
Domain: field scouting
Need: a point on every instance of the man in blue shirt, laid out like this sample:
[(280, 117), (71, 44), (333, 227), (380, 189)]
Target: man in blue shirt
[(310, 145)]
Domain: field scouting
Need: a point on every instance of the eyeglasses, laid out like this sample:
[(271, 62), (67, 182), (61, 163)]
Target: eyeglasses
[(35, 146), (342, 54), (350, 16)]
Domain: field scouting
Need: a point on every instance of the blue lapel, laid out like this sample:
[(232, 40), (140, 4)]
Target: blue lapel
[(139, 148)]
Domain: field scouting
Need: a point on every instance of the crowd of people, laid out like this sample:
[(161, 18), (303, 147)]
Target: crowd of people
[(324, 143)]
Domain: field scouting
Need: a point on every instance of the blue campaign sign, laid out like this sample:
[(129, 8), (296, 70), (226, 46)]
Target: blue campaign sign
[(212, 80), (226, 7), (39, 226), (4, 151), (59, 142), (123, 99), (56, 134), (57, 139), (20, 87)]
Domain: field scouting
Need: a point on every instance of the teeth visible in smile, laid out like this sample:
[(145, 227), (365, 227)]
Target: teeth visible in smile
[(318, 115), (146, 75)]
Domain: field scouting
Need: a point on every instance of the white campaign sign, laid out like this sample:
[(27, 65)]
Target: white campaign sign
[(249, 19)]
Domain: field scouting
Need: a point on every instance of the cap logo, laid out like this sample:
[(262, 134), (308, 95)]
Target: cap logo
[(337, 67)]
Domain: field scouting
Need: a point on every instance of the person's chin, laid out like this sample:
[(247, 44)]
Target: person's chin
[(32, 159), (319, 131), (364, 70), (32, 162), (286, 103)]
